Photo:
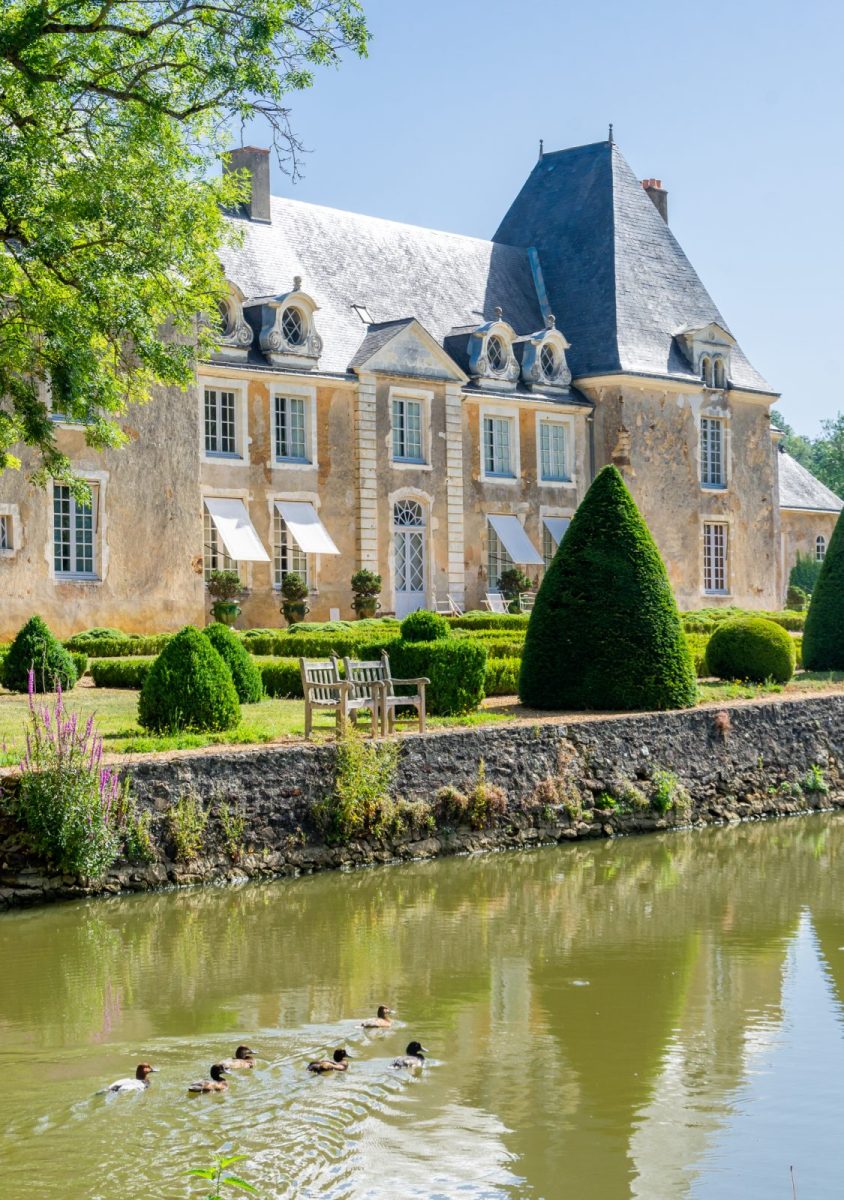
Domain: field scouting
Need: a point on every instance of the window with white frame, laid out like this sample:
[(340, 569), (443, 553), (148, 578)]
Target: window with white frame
[(214, 554), (288, 556), (498, 446), (706, 371), (549, 547), (498, 560), (407, 430), (715, 558), (820, 548), (291, 438), (74, 526), (712, 452), (6, 535), (220, 422), (553, 452)]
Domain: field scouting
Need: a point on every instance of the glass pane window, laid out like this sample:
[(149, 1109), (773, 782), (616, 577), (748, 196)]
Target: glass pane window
[(6, 533), (407, 430), (498, 560), (290, 438), (497, 451), (288, 556), (548, 361), (715, 558), (549, 547), (293, 326), (214, 555), (220, 422), (820, 548), (712, 452), (73, 533), (552, 451)]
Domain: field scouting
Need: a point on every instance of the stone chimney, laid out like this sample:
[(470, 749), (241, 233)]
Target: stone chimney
[(659, 196), (257, 163)]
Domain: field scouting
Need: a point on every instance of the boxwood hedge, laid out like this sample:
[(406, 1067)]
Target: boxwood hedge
[(245, 674), (188, 686), (35, 648), (120, 672), (751, 648), (823, 640), (455, 667)]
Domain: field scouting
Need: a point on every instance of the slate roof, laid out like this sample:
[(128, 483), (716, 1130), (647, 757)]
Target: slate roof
[(800, 489), (442, 279), (617, 279)]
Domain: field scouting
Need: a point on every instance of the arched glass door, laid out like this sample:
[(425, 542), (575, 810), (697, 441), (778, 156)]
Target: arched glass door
[(409, 556)]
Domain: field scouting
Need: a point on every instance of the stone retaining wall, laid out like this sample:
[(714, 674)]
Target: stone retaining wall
[(551, 781)]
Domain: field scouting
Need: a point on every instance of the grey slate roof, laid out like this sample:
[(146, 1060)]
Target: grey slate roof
[(442, 279), (617, 279), (800, 489)]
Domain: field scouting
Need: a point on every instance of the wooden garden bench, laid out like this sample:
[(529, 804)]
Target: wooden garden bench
[(376, 678)]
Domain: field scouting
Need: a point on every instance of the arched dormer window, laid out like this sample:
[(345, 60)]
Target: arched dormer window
[(544, 358), (820, 548), (706, 371), (491, 359), (234, 330), (719, 373), (288, 330)]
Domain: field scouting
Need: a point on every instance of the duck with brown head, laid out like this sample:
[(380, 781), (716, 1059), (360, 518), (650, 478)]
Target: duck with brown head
[(243, 1060), (339, 1061), (139, 1084), (382, 1021), (215, 1084)]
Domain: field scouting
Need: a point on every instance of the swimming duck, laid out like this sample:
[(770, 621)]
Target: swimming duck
[(138, 1084), (337, 1062), (215, 1084), (382, 1021), (412, 1059), (244, 1058)]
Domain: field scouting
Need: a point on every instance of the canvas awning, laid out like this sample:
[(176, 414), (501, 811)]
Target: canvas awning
[(236, 531), (515, 541), (305, 527), (556, 526)]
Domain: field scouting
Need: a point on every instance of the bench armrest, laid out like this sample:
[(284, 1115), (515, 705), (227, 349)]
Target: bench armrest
[(340, 686), (411, 682)]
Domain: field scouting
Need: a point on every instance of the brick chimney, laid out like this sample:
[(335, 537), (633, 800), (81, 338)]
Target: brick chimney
[(659, 196), (257, 163)]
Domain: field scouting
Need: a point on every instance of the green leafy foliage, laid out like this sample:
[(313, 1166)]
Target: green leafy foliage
[(80, 662), (186, 823), (218, 1174), (668, 793), (119, 647), (282, 677), (188, 687), (488, 620), (456, 669), (751, 648), (501, 676), (823, 636), (120, 672), (424, 626), (360, 802), (232, 820), (804, 574), (35, 649), (796, 598), (605, 632), (244, 672), (81, 640)]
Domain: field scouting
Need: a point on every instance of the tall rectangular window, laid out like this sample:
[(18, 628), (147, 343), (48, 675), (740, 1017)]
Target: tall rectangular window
[(712, 452), (288, 556), (214, 555), (73, 534), (220, 422), (291, 443), (407, 430), (549, 547), (498, 560), (553, 456), (715, 558), (6, 532), (497, 449)]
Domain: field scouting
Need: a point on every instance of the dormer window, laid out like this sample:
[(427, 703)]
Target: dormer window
[(706, 371), (235, 333), (288, 330), (707, 349), (544, 357), (496, 354), (548, 361), (491, 359), (293, 326), (719, 374)]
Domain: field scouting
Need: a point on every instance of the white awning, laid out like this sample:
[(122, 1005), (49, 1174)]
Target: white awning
[(305, 527), (236, 530), (557, 527), (516, 542)]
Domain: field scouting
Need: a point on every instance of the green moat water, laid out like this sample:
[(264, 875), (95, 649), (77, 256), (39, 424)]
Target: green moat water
[(655, 1018)]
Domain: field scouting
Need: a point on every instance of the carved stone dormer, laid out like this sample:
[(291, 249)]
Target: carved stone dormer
[(288, 333), (235, 331), (492, 362), (707, 348), (544, 358)]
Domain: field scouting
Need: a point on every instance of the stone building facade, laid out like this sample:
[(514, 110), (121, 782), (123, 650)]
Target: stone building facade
[(430, 406)]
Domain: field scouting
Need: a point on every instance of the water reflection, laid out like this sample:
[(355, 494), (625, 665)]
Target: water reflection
[(650, 1018)]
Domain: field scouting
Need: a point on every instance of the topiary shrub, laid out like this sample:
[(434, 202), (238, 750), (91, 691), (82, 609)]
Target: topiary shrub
[(751, 648), (120, 672), (245, 674), (188, 687), (424, 626), (37, 650), (605, 632), (823, 634), (796, 598), (80, 661), (456, 669), (96, 635), (805, 573)]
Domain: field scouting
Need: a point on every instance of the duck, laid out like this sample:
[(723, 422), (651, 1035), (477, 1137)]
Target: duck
[(139, 1084), (244, 1059), (215, 1084), (339, 1061), (412, 1059), (382, 1021)]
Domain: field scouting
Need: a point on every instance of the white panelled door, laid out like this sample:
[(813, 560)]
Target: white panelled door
[(409, 556)]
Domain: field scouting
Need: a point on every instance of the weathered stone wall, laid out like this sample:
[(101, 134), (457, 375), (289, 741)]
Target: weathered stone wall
[(800, 530), (744, 762)]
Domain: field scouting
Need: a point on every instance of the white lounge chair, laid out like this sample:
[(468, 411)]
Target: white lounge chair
[(496, 603)]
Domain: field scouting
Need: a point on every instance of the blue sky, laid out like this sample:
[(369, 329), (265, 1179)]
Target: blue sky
[(736, 106)]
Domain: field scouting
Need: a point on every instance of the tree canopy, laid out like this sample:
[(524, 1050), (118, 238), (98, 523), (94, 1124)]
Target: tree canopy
[(113, 114)]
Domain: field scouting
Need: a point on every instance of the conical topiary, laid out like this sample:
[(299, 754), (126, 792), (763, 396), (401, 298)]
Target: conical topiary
[(823, 635), (605, 632), (36, 649), (244, 670), (188, 687)]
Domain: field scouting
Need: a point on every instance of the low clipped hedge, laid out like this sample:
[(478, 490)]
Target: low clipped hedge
[(456, 668), (121, 647), (120, 672), (282, 678), (488, 620), (188, 686), (501, 676), (80, 661), (707, 620), (424, 626), (751, 648), (310, 645)]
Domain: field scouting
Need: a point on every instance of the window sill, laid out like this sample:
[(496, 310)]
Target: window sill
[(221, 456), (292, 463), (713, 487), (62, 577), (489, 477), (569, 482), (723, 595), (411, 464)]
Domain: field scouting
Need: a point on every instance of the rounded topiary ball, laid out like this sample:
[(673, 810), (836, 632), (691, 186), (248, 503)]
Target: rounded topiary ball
[(751, 648), (188, 687), (424, 626), (36, 649), (244, 670)]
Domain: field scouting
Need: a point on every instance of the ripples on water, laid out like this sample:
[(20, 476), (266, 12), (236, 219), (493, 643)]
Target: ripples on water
[(657, 1018)]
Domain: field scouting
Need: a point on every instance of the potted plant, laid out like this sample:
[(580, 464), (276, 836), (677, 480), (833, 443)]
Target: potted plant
[(511, 583), (225, 588), (294, 593), (366, 587)]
